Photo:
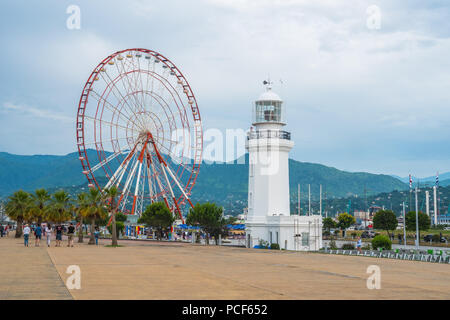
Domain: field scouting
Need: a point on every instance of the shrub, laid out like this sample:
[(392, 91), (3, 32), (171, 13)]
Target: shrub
[(353, 234), (381, 241), (348, 246), (263, 243), (326, 233), (333, 245), (275, 246)]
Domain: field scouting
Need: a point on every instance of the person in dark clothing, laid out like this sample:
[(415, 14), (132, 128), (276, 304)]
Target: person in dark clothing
[(38, 234), (59, 232), (70, 232)]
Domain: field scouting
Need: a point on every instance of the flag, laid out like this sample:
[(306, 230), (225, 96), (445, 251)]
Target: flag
[(410, 182), (437, 179)]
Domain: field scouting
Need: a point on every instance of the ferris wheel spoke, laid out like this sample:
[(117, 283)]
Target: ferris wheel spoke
[(158, 181), (117, 90), (140, 160), (109, 140), (108, 159), (163, 166), (121, 169), (139, 74), (127, 187), (107, 123), (111, 107), (131, 88)]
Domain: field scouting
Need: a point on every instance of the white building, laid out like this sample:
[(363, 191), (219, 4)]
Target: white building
[(269, 217)]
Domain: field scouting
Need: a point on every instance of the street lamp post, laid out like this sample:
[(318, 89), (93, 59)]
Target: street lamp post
[(417, 220), (404, 224)]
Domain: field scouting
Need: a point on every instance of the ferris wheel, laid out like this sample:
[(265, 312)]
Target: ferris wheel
[(139, 129)]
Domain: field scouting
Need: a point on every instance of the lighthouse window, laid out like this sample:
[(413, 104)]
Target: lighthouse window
[(268, 111)]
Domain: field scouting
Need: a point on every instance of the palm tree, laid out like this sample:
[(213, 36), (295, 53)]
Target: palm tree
[(81, 209), (39, 202), (110, 196), (59, 209), (17, 207), (95, 211)]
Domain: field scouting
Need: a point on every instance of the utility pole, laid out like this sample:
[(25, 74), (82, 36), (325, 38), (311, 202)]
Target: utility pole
[(404, 224), (320, 205), (435, 207), (309, 199), (417, 220)]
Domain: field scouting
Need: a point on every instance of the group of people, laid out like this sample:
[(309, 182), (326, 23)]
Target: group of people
[(47, 232), (4, 230)]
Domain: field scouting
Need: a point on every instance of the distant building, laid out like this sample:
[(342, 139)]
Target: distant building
[(373, 210), (442, 218)]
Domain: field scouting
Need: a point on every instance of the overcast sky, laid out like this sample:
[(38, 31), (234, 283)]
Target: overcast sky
[(357, 98)]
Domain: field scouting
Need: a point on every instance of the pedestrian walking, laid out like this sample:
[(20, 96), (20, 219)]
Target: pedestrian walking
[(26, 234), (38, 234), (359, 244), (48, 233), (70, 232), (6, 230), (96, 234), (59, 232), (1, 230)]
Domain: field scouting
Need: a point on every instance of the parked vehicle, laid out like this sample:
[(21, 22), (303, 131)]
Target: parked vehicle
[(429, 237), (368, 234)]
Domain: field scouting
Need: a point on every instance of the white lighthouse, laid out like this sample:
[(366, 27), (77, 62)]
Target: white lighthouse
[(269, 216)]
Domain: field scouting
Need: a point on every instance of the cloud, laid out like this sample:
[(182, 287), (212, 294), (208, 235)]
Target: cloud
[(34, 112), (348, 90)]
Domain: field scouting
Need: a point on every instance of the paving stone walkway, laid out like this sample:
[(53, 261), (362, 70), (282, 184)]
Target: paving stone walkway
[(28, 273), (167, 270)]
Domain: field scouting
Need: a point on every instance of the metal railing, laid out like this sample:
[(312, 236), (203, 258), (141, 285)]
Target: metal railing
[(260, 134)]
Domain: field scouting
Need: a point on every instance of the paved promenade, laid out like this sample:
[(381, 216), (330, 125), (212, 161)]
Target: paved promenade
[(152, 270)]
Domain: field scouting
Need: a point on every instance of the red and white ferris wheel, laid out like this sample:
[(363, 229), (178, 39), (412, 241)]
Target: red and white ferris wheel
[(139, 129)]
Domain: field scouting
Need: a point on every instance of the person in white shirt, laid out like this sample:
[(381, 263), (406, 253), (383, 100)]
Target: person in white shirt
[(26, 234), (48, 233)]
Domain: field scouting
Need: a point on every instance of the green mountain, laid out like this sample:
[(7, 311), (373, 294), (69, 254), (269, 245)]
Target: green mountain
[(224, 183)]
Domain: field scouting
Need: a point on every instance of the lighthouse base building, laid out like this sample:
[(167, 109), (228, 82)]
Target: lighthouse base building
[(269, 219)]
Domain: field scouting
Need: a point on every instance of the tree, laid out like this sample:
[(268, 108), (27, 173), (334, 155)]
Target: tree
[(38, 207), (329, 223), (110, 196), (120, 217), (381, 241), (385, 220), (210, 217), (96, 210), (424, 221), (81, 210), (345, 220), (59, 209), (157, 216), (16, 208)]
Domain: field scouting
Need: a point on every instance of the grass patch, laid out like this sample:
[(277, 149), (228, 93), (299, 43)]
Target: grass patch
[(111, 246)]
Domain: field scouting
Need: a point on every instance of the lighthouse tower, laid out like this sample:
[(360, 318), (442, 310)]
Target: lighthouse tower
[(268, 147), (269, 217)]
